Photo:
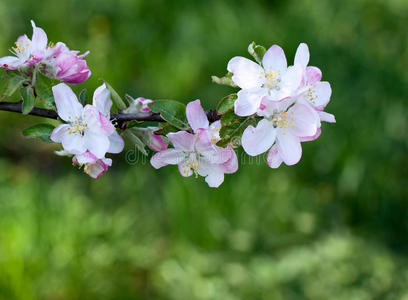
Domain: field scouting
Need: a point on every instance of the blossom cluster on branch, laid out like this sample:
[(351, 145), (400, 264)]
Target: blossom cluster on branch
[(276, 108)]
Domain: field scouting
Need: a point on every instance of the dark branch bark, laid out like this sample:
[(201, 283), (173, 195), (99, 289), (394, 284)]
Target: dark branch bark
[(119, 119)]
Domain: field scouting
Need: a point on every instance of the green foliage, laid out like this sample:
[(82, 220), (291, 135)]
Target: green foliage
[(11, 83), (232, 128), (226, 104), (40, 131), (116, 98), (28, 99), (256, 51), (172, 111), (43, 88), (165, 128), (83, 96), (226, 80), (135, 140)]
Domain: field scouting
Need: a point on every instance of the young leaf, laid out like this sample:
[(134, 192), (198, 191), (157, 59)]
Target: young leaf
[(28, 99), (226, 104), (226, 80), (40, 131), (232, 128), (119, 102), (135, 140), (43, 87), (14, 83), (165, 129), (256, 51), (83, 96), (172, 111)]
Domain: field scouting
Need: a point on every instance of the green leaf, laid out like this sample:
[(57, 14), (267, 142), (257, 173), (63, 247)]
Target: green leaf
[(13, 84), (232, 128), (135, 140), (172, 111), (28, 99), (226, 80), (40, 131), (256, 51), (119, 102), (83, 96), (43, 87), (226, 104), (165, 129)]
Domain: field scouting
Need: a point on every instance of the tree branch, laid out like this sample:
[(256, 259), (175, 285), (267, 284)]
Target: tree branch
[(119, 119)]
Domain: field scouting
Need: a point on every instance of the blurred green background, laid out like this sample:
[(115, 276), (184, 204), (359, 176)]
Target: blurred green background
[(335, 226)]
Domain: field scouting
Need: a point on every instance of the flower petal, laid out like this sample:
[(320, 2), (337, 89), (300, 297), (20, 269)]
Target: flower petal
[(274, 160), (167, 157), (321, 92), (302, 55), (313, 75), (311, 138), (231, 165), (102, 100), (116, 143), (246, 73), (289, 148), (98, 144), (275, 59), (257, 140), (326, 117), (59, 132), (38, 41), (196, 116), (67, 103), (305, 120), (73, 143), (10, 63), (248, 101), (97, 122), (182, 140)]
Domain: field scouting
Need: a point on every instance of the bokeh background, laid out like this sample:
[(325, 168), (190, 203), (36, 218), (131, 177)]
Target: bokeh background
[(335, 226)]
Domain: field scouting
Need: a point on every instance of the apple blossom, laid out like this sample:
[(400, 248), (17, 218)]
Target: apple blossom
[(285, 125), (27, 52), (197, 153), (273, 79), (139, 104), (93, 166), (153, 141), (87, 128)]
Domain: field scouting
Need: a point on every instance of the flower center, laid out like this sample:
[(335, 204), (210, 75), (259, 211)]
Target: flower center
[(78, 127), (273, 79), (19, 49), (191, 164), (283, 120), (310, 94)]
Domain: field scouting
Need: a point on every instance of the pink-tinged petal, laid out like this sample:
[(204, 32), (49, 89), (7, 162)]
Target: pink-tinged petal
[(98, 168), (59, 132), (211, 152), (313, 75), (305, 120), (246, 73), (275, 59), (116, 143), (156, 143), (85, 158), (185, 169), (98, 144), (167, 157), (97, 122), (248, 101), (67, 103), (196, 116), (321, 94), (257, 140), (302, 55), (289, 148), (231, 165), (73, 143), (182, 140), (311, 138), (10, 63), (38, 41), (269, 106), (326, 117), (102, 100), (274, 160)]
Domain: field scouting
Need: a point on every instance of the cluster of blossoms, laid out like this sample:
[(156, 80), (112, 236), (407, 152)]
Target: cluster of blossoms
[(53, 60), (289, 100), (286, 105)]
